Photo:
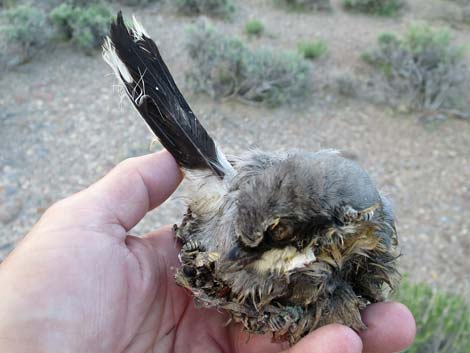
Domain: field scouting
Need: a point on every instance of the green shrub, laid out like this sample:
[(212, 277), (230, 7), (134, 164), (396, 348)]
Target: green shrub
[(226, 67), (25, 25), (313, 50), (254, 28), (377, 7), (423, 67), (301, 5), (442, 319), (217, 8), (347, 85), (137, 2), (86, 26), (61, 17)]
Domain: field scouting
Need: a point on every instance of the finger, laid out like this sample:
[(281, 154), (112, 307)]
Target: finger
[(329, 339), (124, 195), (136, 186), (391, 328)]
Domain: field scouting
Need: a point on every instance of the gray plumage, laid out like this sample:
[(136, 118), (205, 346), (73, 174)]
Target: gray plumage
[(285, 242)]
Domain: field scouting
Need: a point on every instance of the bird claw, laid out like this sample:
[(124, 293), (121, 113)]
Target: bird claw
[(192, 245), (282, 321)]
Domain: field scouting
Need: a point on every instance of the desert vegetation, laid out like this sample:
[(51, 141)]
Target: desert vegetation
[(217, 8), (300, 5), (86, 26), (224, 66), (313, 49), (377, 7), (442, 319), (254, 28), (423, 68), (138, 2), (27, 28), (24, 33)]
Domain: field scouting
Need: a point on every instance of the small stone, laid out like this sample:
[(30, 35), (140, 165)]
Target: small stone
[(452, 153), (11, 204)]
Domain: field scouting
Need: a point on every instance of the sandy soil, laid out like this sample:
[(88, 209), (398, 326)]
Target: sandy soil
[(62, 126)]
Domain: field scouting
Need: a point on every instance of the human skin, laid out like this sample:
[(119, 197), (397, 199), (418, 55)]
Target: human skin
[(78, 283)]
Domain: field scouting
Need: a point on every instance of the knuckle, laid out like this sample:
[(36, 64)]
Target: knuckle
[(128, 163)]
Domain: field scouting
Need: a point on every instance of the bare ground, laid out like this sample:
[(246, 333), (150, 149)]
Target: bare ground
[(62, 126)]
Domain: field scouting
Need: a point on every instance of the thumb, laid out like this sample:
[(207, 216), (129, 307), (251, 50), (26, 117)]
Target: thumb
[(329, 339)]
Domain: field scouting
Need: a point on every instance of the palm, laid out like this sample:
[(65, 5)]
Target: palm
[(172, 322)]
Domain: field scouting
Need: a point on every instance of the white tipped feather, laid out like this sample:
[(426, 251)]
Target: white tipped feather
[(112, 59), (138, 29), (136, 61)]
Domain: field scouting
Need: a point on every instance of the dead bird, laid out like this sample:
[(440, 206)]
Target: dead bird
[(284, 242)]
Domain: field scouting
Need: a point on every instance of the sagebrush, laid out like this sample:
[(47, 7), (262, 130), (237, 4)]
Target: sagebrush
[(254, 28), (378, 7), (442, 319), (217, 8), (313, 50), (224, 66), (299, 5), (137, 2), (26, 25), (25, 32), (85, 25), (422, 68)]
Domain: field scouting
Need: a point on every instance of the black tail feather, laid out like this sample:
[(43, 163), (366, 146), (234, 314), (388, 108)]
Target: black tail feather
[(155, 95)]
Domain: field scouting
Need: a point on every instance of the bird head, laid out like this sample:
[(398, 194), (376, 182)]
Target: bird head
[(299, 203)]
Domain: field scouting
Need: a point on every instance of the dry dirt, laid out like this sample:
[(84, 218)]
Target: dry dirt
[(62, 126)]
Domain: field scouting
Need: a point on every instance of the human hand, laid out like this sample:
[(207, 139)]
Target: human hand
[(78, 283)]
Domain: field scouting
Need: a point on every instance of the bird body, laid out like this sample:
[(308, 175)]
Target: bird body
[(284, 242)]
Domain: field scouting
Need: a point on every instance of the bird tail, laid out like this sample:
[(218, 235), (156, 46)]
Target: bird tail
[(137, 63)]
